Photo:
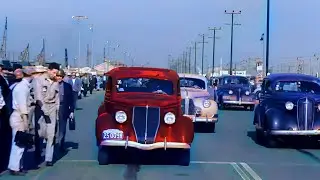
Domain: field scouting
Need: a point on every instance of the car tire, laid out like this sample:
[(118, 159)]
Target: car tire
[(184, 157), (103, 157), (270, 141), (260, 137)]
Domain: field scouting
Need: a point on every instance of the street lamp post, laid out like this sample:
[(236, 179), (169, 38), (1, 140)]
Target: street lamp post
[(91, 29), (79, 18)]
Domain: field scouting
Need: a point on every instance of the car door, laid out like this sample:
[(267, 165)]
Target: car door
[(264, 98)]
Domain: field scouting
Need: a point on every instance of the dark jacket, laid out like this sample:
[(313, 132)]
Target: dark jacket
[(67, 105)]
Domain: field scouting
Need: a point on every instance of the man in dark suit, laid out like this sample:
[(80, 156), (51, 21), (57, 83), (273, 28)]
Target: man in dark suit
[(76, 84), (66, 109)]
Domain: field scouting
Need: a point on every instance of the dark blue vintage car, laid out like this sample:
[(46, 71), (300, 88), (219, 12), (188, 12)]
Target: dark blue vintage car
[(289, 105), (235, 91)]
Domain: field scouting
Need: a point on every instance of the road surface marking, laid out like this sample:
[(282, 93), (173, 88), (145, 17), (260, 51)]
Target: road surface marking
[(240, 171), (250, 171)]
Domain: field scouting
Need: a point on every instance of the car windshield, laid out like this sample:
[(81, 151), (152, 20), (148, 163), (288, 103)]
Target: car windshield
[(235, 80), (297, 86), (192, 83), (146, 85)]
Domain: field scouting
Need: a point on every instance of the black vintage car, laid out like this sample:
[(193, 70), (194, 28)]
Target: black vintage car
[(289, 105), (235, 91)]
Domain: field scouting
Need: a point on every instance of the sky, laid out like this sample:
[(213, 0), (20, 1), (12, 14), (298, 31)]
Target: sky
[(150, 30)]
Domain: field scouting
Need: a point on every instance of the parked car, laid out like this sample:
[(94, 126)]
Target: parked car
[(197, 102), (289, 105), (235, 91), (141, 112)]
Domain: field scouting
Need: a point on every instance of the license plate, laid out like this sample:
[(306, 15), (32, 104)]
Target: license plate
[(114, 134)]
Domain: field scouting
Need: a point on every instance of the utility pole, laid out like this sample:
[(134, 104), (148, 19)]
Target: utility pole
[(185, 61), (195, 57), (190, 49), (267, 43), (213, 45), (202, 57), (231, 44)]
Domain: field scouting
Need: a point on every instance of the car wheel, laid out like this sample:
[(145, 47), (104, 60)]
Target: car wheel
[(270, 141), (184, 157), (221, 106), (103, 157), (259, 137)]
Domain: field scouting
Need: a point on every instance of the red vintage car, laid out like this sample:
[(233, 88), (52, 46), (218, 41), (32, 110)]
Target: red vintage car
[(142, 112)]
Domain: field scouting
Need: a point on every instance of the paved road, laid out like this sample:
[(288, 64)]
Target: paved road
[(230, 154)]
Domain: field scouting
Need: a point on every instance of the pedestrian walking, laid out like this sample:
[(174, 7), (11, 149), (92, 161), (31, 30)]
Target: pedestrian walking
[(46, 92), (76, 84), (66, 109), (85, 84), (19, 121)]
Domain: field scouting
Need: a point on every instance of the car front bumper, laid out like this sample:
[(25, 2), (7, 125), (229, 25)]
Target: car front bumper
[(295, 133), (157, 145), (239, 102), (195, 119)]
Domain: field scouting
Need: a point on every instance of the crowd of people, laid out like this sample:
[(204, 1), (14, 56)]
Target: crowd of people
[(36, 104)]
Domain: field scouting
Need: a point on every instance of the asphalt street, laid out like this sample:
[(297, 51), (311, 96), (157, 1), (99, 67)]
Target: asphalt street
[(229, 154)]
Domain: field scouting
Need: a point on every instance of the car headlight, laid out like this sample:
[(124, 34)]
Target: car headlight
[(247, 93), (230, 92), (289, 105), (169, 118), (206, 103), (319, 107), (121, 117)]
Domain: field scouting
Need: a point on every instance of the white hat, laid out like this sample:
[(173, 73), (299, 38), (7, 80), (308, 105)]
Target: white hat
[(77, 74), (68, 74)]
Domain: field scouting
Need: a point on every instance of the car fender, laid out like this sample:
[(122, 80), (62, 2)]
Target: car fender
[(185, 128), (104, 121), (276, 119)]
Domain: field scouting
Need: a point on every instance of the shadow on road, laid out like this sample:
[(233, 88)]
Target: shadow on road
[(29, 159), (297, 143)]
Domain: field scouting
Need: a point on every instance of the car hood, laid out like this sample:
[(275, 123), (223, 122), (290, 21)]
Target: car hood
[(294, 97), (144, 99), (194, 93)]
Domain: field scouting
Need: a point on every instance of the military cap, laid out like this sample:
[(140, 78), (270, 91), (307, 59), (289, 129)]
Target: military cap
[(39, 69), (29, 70), (61, 73)]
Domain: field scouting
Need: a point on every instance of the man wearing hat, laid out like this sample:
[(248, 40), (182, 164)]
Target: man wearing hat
[(46, 94), (19, 120), (66, 109)]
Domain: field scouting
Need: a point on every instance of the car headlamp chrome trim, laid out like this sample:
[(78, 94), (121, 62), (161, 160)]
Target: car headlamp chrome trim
[(289, 105), (206, 103), (121, 116), (230, 92), (169, 118)]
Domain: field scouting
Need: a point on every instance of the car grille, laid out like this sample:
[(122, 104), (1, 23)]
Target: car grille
[(188, 107), (305, 113), (146, 121)]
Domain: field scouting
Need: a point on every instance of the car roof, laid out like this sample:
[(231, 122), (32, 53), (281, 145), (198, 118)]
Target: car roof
[(223, 76), (147, 72), (196, 76), (291, 76)]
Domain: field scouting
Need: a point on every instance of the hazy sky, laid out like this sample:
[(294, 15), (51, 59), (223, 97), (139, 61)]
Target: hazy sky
[(150, 30)]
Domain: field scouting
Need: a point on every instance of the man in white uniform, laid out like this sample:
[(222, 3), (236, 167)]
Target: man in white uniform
[(19, 120)]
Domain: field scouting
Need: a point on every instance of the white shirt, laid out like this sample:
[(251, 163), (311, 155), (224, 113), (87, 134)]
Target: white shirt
[(73, 81), (20, 96), (2, 102)]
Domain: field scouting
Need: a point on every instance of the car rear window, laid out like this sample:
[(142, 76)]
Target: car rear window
[(297, 86), (146, 85), (192, 83)]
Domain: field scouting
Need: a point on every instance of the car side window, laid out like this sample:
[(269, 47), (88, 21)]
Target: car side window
[(267, 86)]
